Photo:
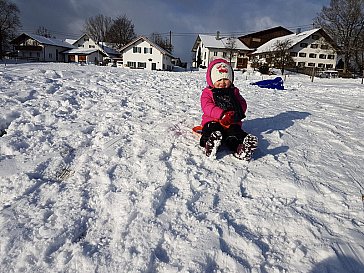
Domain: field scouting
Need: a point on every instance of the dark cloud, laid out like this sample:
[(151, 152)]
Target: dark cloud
[(185, 18)]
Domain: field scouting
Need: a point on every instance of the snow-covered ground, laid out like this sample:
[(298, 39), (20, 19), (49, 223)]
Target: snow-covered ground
[(100, 172)]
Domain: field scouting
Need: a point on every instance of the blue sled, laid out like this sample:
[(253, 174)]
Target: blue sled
[(276, 83)]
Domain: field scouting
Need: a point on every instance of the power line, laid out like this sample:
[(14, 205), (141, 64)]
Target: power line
[(232, 33), (164, 34), (52, 32)]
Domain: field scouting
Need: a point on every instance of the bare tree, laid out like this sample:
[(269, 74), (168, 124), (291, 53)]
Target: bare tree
[(359, 55), (121, 31), (343, 20), (9, 23), (199, 58), (97, 27), (281, 57), (42, 31), (231, 46), (163, 43)]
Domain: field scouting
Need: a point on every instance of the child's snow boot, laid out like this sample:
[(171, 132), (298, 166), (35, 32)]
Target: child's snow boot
[(213, 143), (246, 149)]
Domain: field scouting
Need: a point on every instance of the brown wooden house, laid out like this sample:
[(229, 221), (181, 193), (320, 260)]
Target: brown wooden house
[(255, 40)]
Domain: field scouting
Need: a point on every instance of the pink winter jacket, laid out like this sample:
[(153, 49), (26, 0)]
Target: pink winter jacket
[(211, 112)]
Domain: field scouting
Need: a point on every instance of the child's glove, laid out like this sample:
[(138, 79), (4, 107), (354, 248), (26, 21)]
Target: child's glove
[(227, 119)]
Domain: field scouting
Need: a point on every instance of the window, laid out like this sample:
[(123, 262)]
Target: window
[(311, 64), (315, 37), (79, 45), (302, 54), (331, 57), (256, 39), (132, 64), (303, 44), (137, 49), (324, 47), (224, 54), (91, 46), (314, 45), (312, 55), (328, 66), (142, 65), (322, 56), (86, 39), (215, 53), (301, 64), (293, 54), (147, 50), (321, 65)]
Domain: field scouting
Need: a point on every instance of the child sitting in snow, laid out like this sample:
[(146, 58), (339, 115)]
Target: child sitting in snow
[(223, 110)]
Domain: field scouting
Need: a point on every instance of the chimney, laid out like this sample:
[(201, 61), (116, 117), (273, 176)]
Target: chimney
[(298, 30), (218, 35)]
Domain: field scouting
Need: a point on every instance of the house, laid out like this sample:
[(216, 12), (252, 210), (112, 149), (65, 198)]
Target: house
[(39, 48), (312, 48), (144, 54), (256, 39), (113, 55), (209, 47), (88, 51)]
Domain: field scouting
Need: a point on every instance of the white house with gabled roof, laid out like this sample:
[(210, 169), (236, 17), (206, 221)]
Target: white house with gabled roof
[(312, 48), (209, 47), (144, 54), (39, 48), (88, 51)]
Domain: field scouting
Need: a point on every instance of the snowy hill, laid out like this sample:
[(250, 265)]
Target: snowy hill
[(99, 172)]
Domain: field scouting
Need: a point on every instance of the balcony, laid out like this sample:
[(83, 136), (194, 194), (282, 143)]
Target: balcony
[(28, 48)]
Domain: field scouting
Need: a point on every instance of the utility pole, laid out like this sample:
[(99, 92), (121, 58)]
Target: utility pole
[(313, 74), (170, 41)]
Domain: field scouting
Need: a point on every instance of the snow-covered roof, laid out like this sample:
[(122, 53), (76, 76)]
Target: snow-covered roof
[(210, 41), (70, 41), (47, 41), (82, 51), (293, 38), (104, 47), (108, 48), (163, 51)]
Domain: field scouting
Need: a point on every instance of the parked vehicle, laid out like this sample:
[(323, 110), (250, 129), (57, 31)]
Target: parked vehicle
[(329, 74)]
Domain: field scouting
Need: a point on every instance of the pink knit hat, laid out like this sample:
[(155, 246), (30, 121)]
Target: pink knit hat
[(219, 69)]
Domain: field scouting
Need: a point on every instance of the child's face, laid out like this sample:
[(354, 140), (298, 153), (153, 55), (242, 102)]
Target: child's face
[(223, 83)]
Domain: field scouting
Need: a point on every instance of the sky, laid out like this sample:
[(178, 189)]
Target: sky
[(185, 19)]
